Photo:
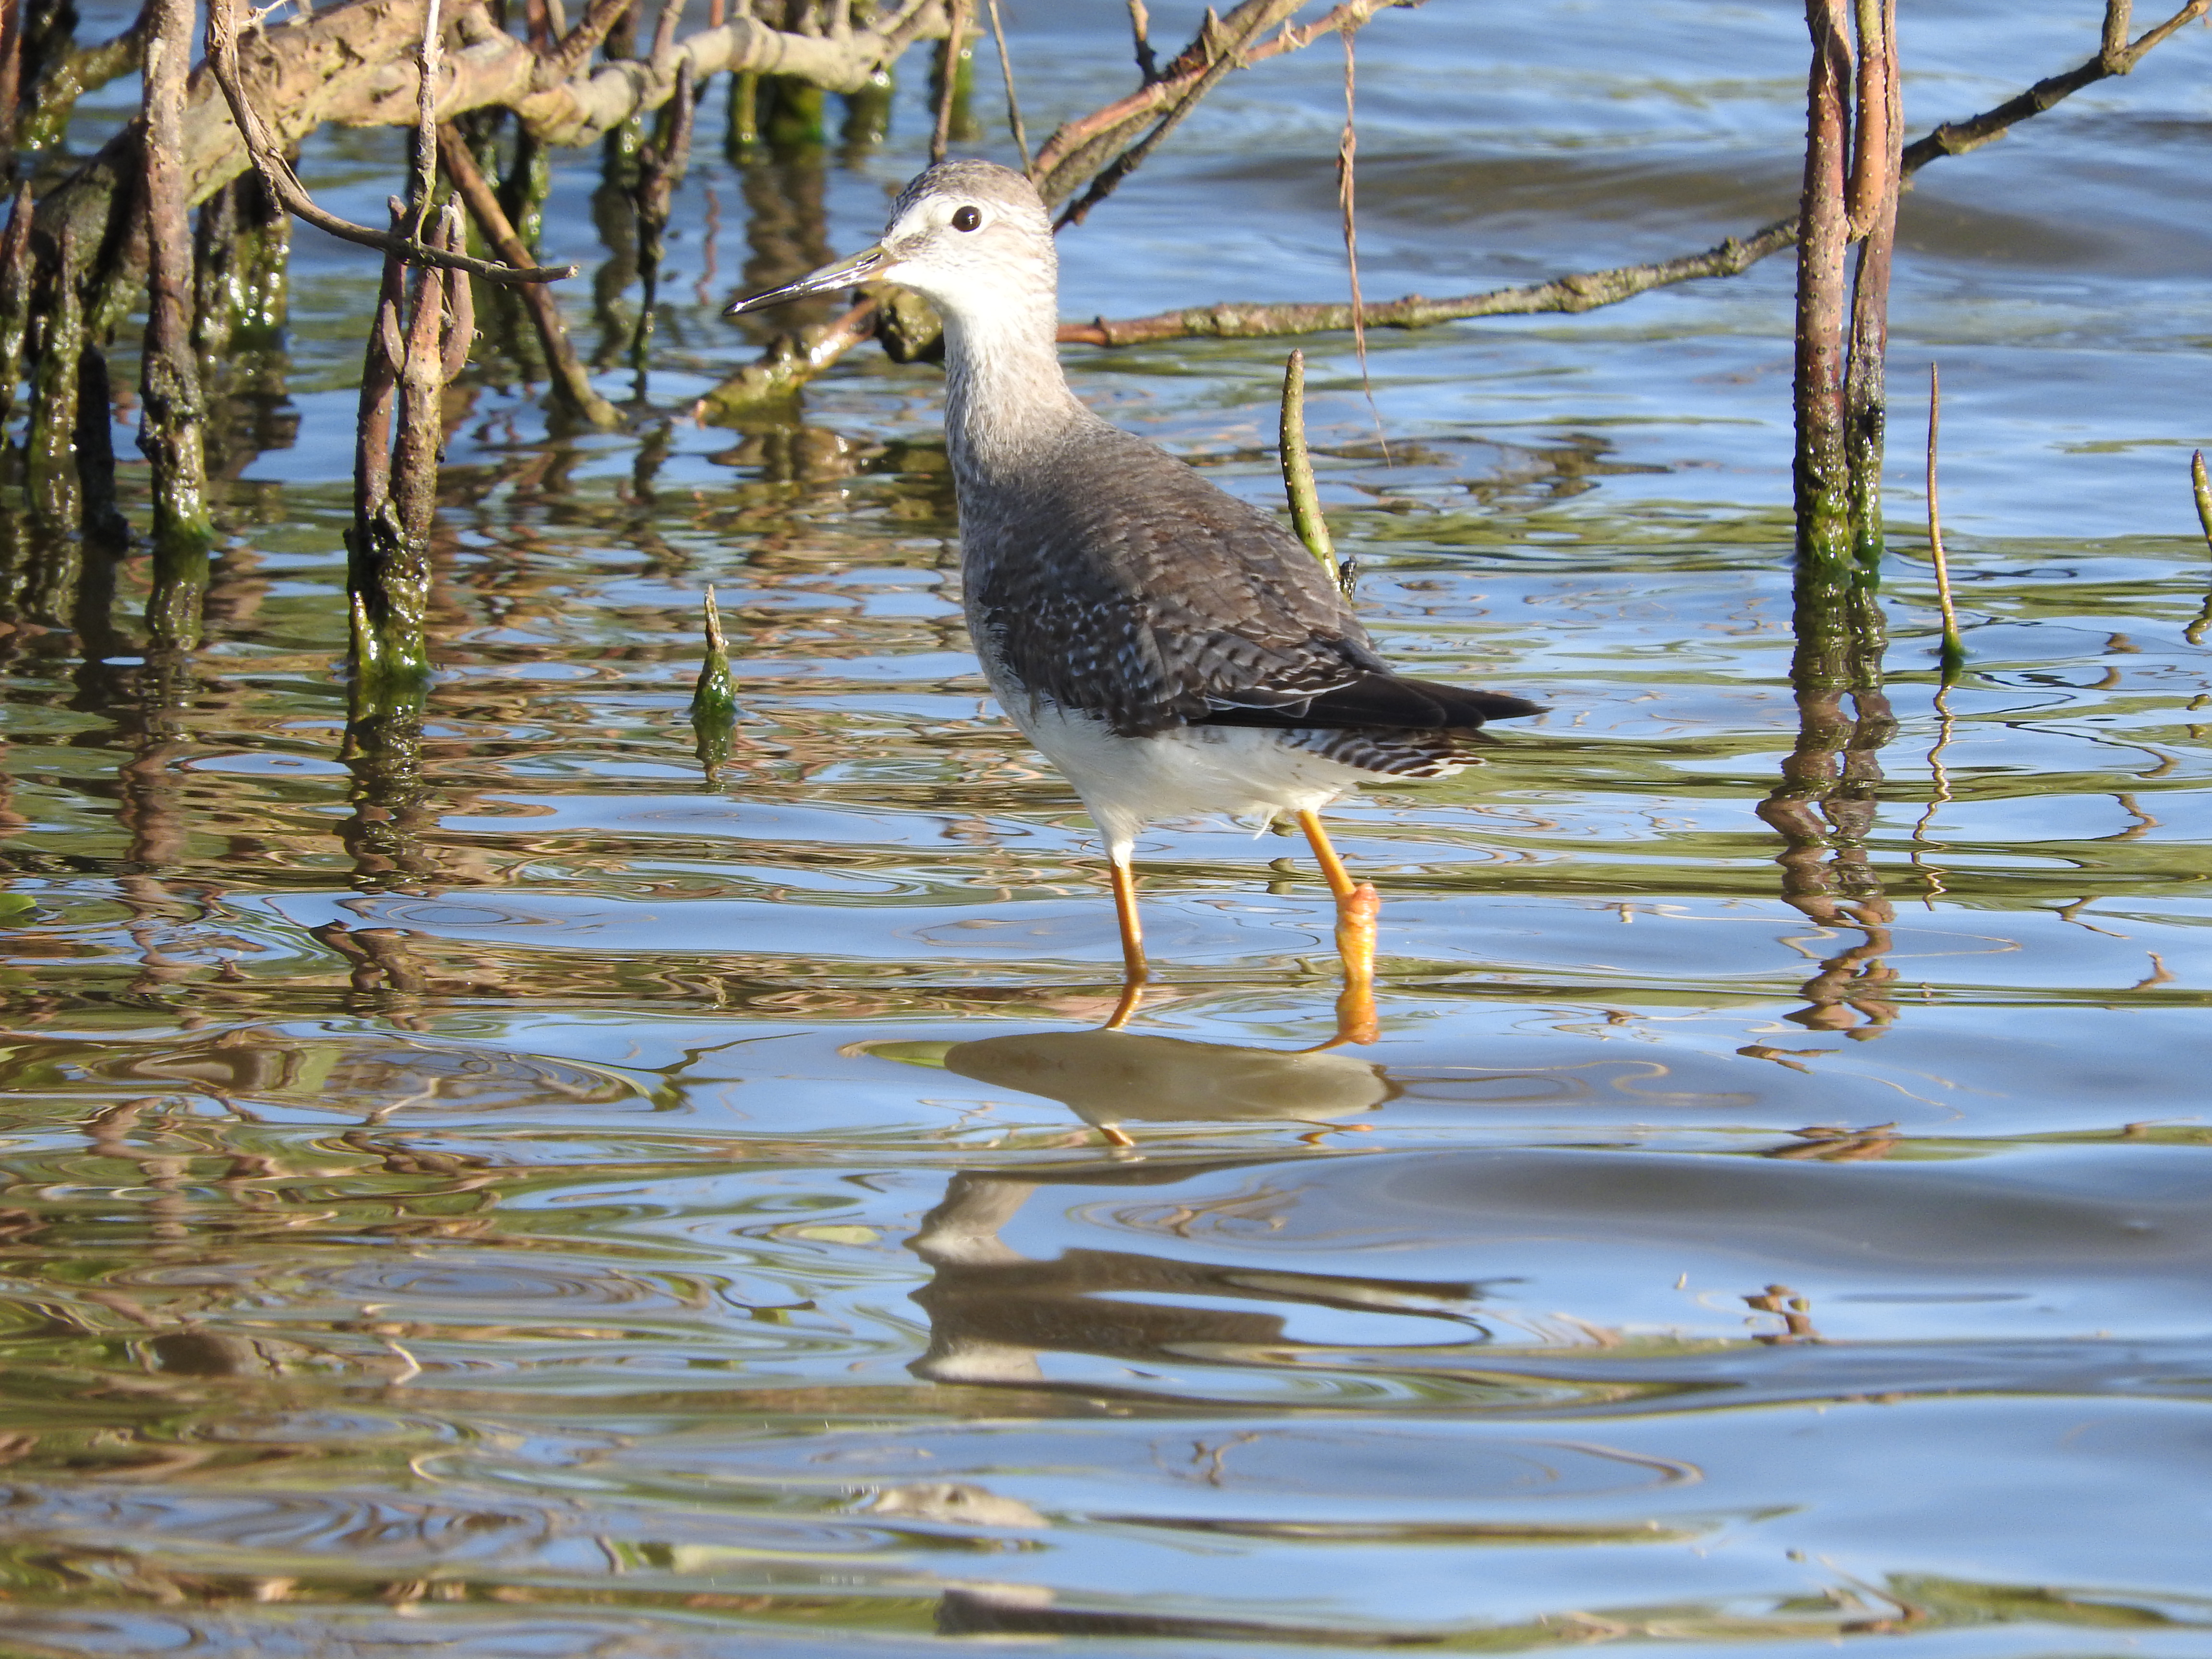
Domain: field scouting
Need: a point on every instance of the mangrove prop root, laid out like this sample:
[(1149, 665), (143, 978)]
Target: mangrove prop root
[(173, 414), (374, 543), (15, 296), (661, 165), (1877, 169), (1822, 471), (54, 493), (1299, 473)]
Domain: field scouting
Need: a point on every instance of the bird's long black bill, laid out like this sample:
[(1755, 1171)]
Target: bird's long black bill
[(847, 273)]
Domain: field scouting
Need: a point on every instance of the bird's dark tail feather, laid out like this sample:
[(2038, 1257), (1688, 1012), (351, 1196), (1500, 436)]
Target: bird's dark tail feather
[(1383, 703)]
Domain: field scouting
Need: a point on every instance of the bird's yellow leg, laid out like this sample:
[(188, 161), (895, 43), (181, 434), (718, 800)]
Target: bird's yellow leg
[(1357, 905), (1133, 943), (1332, 867)]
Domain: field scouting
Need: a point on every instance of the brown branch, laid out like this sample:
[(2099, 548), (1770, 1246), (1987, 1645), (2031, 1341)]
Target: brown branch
[(1865, 389), (958, 13), (283, 186), (1082, 147), (1221, 47), (575, 49), (571, 384), (1588, 290), (1957, 137)]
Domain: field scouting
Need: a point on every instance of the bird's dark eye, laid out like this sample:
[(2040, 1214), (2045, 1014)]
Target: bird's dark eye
[(966, 218)]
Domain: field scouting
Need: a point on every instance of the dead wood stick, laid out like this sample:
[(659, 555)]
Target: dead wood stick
[(1226, 51), (957, 12), (572, 384)]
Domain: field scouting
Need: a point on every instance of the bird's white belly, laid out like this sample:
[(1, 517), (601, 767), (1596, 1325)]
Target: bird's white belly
[(1192, 771)]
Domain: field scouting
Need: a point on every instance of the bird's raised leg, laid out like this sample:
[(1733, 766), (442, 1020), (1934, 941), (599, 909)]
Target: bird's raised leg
[(1133, 940), (1357, 906)]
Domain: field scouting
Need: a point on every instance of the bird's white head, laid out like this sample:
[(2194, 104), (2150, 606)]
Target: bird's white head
[(970, 237)]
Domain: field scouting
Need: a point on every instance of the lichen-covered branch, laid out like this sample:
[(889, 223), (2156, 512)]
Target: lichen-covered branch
[(1583, 292), (267, 155)]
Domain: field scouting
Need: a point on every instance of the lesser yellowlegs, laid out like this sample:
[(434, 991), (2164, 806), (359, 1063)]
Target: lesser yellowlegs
[(1172, 650)]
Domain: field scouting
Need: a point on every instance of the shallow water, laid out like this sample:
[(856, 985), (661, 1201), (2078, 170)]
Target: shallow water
[(588, 1209)]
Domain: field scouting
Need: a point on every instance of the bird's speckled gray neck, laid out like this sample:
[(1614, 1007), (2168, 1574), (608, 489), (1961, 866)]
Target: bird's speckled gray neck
[(1006, 400)]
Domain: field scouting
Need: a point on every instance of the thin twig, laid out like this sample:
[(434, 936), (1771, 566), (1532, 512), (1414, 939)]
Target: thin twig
[(1240, 28), (1013, 103), (956, 12), (1299, 473), (1078, 147), (1347, 148), (423, 191), (1140, 25), (284, 186), (1954, 649)]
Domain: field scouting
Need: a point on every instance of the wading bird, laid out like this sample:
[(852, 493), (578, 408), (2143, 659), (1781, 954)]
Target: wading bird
[(1172, 650)]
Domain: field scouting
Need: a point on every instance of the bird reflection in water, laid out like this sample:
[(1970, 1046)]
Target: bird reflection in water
[(1109, 1078), (994, 1312)]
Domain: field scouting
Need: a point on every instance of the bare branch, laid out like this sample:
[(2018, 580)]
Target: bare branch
[(572, 385), (1222, 50), (284, 184), (1013, 100), (351, 64), (577, 49), (1080, 148)]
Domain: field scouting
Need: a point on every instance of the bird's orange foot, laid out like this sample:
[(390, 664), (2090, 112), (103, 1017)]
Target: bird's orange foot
[(1356, 913)]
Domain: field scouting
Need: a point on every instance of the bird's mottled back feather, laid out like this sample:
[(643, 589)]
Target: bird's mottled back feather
[(1129, 587)]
